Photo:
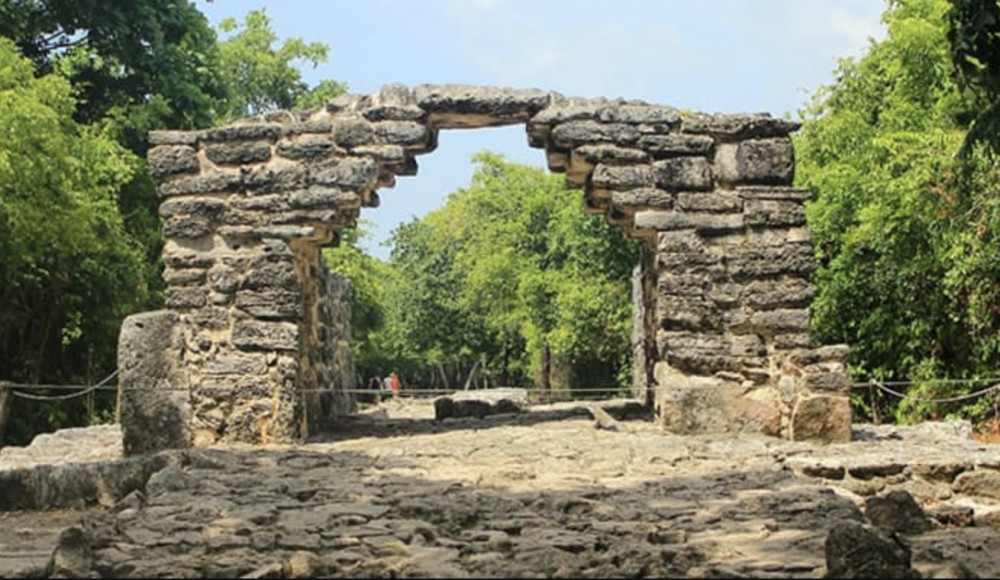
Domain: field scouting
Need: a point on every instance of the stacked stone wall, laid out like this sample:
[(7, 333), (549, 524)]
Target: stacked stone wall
[(721, 337)]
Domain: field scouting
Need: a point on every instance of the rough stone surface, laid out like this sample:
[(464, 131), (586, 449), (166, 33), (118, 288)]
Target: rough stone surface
[(706, 195), (541, 493), (480, 403), (153, 404)]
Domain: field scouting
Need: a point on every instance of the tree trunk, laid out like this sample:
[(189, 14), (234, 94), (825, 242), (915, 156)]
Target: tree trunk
[(545, 372), (6, 400), (472, 374), (444, 377)]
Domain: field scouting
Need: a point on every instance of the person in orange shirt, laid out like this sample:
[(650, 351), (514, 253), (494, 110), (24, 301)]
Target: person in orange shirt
[(395, 384)]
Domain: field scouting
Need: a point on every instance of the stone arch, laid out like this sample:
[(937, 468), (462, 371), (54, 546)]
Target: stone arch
[(255, 323)]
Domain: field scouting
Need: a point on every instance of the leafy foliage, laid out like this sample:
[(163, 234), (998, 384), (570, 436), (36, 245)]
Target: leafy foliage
[(511, 273), (68, 270), (974, 33), (902, 227), (263, 78)]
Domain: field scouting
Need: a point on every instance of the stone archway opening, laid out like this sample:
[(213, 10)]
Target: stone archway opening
[(254, 343)]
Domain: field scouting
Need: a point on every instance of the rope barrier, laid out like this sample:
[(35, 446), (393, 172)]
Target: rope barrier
[(85, 391), (16, 389), (979, 393)]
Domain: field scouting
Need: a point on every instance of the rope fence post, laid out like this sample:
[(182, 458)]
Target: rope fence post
[(6, 399), (876, 418)]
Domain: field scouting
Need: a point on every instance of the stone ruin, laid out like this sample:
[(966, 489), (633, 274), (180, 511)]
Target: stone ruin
[(253, 345)]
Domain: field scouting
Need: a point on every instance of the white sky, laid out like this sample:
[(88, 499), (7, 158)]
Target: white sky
[(707, 55)]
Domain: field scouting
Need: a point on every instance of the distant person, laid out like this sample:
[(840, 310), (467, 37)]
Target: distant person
[(395, 384), (374, 385), (386, 387)]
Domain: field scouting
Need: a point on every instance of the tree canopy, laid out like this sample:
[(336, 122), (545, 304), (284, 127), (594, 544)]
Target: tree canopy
[(903, 228)]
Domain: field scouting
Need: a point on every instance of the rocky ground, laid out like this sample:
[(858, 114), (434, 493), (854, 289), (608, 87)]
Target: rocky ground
[(543, 493)]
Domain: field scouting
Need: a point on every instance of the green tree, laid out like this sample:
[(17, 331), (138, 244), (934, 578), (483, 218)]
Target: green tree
[(512, 279), (974, 33), (900, 226), (69, 271), (145, 64), (262, 77), (370, 279)]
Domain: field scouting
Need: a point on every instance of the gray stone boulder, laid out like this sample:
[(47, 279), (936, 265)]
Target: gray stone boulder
[(153, 400), (856, 550), (480, 403)]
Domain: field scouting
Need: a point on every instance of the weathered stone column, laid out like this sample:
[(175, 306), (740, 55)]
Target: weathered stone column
[(721, 339)]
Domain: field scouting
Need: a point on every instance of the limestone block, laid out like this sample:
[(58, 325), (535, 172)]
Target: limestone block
[(350, 172), (352, 132), (188, 227), (621, 177), (573, 109), (773, 294), (714, 406), (184, 277), (152, 384), (244, 132), (263, 335), (821, 419), (324, 197), (277, 176), (676, 144), (266, 275), (637, 114), (610, 154), (837, 353), (209, 207), (764, 262), (684, 173), (770, 161), (688, 313), (315, 125), (170, 159), (463, 106), (184, 298), (712, 202), (775, 213), (270, 304), (575, 133), (979, 482), (312, 216), (237, 364), (390, 155), (642, 198), (407, 134), (781, 320), (773, 192), (683, 284), (174, 258), (211, 318), (210, 182), (307, 147), (238, 153), (257, 205), (707, 223), (734, 127), (823, 379), (157, 138), (707, 353)]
